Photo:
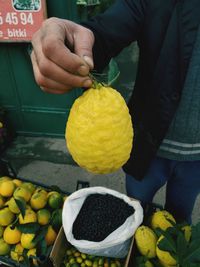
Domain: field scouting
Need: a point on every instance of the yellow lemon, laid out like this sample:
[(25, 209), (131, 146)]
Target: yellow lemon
[(99, 132), (7, 188), (17, 253), (17, 182), (2, 202), (146, 240), (164, 256), (38, 200), (22, 192), (32, 252), (40, 190), (89, 263), (12, 205), (50, 236), (31, 187), (11, 235), (27, 240), (30, 217), (4, 248), (6, 217), (162, 219), (55, 200), (5, 178), (1, 124), (43, 216)]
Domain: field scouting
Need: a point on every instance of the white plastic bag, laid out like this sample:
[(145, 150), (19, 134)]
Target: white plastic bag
[(117, 243)]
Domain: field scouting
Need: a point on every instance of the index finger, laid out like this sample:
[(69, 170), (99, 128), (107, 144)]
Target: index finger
[(49, 41), (56, 51)]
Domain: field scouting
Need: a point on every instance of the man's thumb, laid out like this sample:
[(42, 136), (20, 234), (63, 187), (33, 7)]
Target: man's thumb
[(83, 45), (89, 61)]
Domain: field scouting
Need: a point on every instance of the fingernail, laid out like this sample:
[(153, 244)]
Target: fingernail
[(89, 61), (87, 83), (83, 70)]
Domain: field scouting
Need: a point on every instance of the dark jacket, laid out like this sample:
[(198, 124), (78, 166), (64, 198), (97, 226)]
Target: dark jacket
[(165, 31)]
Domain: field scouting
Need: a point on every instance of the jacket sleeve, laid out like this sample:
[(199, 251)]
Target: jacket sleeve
[(115, 29)]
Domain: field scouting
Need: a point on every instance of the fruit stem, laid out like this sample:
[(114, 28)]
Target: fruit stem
[(95, 83)]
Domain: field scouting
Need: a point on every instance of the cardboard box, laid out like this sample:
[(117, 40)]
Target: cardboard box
[(61, 244)]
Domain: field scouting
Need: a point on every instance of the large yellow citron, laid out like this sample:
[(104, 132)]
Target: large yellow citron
[(146, 240), (99, 132), (162, 219), (165, 257)]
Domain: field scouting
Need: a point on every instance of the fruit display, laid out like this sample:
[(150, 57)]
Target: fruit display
[(74, 258), (99, 132), (163, 242), (30, 218)]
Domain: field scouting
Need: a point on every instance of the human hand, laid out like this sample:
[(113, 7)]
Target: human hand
[(62, 56)]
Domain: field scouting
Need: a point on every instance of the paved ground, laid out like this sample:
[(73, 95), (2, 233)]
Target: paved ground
[(46, 161)]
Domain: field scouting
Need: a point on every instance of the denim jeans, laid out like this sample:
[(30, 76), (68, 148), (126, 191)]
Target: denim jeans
[(182, 188)]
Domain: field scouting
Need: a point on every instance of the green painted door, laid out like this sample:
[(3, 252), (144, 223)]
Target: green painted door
[(31, 111)]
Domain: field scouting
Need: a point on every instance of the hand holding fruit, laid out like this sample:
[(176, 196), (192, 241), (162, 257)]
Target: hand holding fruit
[(62, 56)]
